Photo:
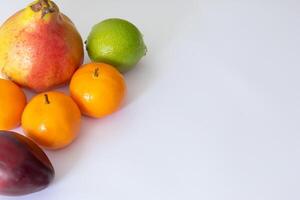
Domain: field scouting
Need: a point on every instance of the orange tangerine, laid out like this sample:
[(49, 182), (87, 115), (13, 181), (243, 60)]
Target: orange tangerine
[(52, 120), (12, 104), (98, 89)]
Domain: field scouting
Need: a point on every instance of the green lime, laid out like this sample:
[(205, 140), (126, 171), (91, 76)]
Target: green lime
[(116, 42)]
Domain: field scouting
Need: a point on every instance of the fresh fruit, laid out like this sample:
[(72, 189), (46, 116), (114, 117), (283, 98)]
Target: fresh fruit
[(40, 47), (116, 42), (98, 89), (12, 103), (52, 120), (24, 167)]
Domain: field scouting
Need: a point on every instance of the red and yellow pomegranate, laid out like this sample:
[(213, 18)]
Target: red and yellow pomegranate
[(40, 47)]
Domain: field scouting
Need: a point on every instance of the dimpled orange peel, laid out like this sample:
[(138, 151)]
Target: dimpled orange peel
[(98, 89), (12, 104), (52, 120)]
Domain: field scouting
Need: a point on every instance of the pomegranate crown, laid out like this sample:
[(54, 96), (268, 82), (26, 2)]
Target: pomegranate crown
[(46, 6)]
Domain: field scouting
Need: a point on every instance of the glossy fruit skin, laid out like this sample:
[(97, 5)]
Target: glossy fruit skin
[(12, 104), (98, 89), (116, 42), (24, 167), (37, 50), (52, 120)]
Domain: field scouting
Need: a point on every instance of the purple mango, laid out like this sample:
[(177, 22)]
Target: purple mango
[(24, 167)]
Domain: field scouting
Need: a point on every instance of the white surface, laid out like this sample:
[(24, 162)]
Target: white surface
[(212, 112)]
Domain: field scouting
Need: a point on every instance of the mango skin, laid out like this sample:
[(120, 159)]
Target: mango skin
[(39, 52), (24, 167)]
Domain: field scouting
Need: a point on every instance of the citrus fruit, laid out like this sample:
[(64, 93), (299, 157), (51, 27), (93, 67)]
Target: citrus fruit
[(116, 42), (12, 104), (52, 120), (98, 89)]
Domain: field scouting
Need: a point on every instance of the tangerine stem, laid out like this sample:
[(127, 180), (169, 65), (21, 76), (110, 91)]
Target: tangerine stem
[(96, 73), (47, 99)]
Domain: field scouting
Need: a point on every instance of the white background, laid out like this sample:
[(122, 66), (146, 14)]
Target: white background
[(212, 112)]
